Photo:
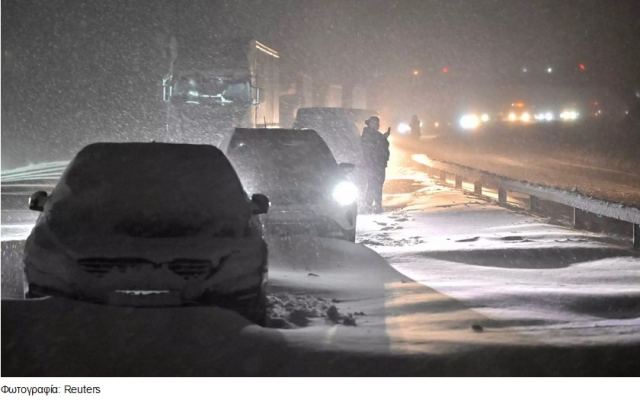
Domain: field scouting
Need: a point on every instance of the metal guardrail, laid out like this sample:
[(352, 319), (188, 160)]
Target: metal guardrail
[(44, 171), (579, 202)]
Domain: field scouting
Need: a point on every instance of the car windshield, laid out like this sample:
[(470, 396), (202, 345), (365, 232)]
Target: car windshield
[(149, 189), (287, 167)]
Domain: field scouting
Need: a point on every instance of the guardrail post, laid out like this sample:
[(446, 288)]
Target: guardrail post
[(533, 203), (458, 182), (636, 236), (502, 196), (477, 188), (578, 222)]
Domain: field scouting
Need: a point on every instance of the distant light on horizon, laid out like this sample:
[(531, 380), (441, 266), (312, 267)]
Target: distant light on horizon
[(569, 115), (549, 70), (469, 121), (545, 116), (403, 128)]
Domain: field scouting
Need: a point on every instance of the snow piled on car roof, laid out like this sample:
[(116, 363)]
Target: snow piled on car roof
[(147, 183)]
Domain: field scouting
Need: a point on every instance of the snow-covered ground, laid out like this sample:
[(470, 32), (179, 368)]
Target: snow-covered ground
[(548, 283)]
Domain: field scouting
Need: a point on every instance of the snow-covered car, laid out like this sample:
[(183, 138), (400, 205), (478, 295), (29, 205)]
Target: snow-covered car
[(341, 129), (309, 191), (149, 224)]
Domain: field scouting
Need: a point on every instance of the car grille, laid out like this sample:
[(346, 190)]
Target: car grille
[(102, 266), (186, 268), (190, 268)]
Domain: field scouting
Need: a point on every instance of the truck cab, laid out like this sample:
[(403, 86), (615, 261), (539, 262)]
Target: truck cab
[(209, 93)]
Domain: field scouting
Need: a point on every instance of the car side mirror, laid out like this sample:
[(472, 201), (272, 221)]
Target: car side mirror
[(260, 204), (346, 168), (37, 200)]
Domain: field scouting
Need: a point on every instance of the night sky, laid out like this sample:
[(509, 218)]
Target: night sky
[(79, 71)]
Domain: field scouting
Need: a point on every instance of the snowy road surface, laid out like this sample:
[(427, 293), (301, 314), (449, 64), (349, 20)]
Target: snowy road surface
[(472, 290), (548, 283)]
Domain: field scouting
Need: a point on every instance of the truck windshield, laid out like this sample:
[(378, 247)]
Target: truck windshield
[(202, 89)]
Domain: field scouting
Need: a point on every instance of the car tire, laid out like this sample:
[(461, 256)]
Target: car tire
[(253, 308), (257, 311), (350, 235), (34, 292)]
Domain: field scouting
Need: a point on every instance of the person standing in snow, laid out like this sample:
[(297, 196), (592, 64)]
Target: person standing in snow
[(375, 149), (415, 125)]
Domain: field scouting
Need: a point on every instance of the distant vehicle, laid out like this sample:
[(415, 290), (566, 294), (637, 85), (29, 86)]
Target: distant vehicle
[(214, 88), (149, 224), (310, 192), (532, 98), (341, 129)]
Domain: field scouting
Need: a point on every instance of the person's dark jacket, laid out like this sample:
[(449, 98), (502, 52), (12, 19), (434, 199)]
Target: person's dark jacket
[(375, 148)]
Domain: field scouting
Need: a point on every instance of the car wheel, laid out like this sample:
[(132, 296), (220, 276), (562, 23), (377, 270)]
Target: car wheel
[(33, 292), (257, 310), (350, 235), (253, 308)]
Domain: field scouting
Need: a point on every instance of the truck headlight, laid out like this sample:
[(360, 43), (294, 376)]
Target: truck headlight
[(345, 193)]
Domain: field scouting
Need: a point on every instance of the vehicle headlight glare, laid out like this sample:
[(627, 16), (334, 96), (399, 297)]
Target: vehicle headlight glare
[(404, 128), (485, 117), (345, 193), (569, 115), (544, 116), (469, 121)]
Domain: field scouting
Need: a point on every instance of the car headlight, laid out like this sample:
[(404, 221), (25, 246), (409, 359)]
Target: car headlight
[(469, 121), (569, 115), (345, 193), (544, 116), (403, 128)]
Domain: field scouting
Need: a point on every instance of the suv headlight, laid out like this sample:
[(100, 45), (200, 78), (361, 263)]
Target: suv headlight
[(345, 193)]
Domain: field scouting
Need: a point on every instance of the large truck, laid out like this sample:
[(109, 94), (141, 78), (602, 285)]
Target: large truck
[(212, 89)]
